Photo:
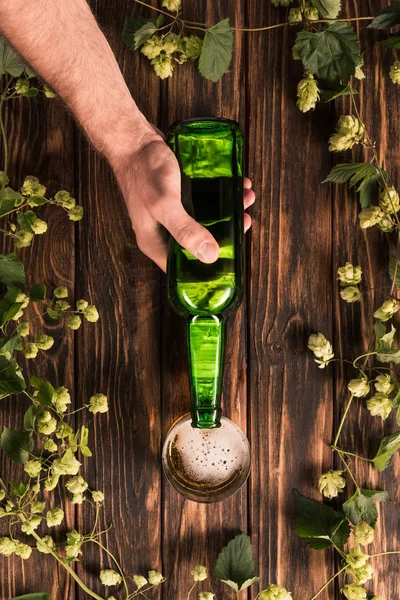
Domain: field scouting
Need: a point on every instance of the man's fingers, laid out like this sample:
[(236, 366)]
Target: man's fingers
[(152, 244), (188, 233), (248, 197), (247, 183), (247, 222)]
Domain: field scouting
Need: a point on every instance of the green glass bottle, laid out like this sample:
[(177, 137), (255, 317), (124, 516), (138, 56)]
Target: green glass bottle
[(210, 154)]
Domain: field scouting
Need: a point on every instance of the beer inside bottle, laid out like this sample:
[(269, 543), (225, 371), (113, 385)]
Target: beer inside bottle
[(209, 152)]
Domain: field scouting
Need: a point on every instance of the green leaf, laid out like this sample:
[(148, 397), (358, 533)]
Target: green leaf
[(143, 34), (383, 340), (12, 271), (387, 17), (160, 20), (366, 173), (84, 439), (319, 523), (216, 52), (396, 400), (6, 206), (361, 506), (369, 189), (86, 451), (398, 416), (37, 292), (345, 171), (19, 489), (329, 9), (45, 394), (53, 314), (26, 220), (329, 95), (34, 596), (392, 270), (29, 72), (388, 446), (384, 343), (393, 41), (8, 344), (10, 62), (331, 54), (8, 305), (11, 380), (387, 356), (31, 92), (235, 564), (30, 418), (16, 445), (131, 26), (38, 200), (35, 382), (9, 199)]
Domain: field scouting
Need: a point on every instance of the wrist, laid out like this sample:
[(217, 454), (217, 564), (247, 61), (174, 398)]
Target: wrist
[(125, 138)]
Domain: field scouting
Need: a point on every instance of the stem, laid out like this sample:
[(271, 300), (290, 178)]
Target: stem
[(116, 563), (342, 554), (346, 410), (392, 289), (366, 355), (3, 133), (350, 454), (70, 571), (347, 467), (204, 26), (159, 10), (191, 590), (385, 553), (327, 583)]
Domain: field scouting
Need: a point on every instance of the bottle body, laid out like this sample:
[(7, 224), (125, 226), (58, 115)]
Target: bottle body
[(209, 152)]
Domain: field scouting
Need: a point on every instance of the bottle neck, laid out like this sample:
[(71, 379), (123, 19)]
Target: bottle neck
[(206, 359)]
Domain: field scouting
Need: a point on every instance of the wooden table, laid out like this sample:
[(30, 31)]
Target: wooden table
[(302, 231)]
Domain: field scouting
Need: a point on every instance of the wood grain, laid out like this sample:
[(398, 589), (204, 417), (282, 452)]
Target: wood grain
[(41, 140), (290, 295), (121, 355), (136, 354)]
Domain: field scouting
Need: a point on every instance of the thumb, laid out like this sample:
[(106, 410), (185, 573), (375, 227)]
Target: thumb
[(191, 235)]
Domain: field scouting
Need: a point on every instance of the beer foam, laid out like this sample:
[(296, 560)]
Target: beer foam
[(209, 456)]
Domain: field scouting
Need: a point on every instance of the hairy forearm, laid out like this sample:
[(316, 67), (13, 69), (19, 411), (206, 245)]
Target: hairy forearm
[(61, 40)]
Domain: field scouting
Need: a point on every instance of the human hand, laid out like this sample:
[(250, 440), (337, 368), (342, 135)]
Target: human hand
[(150, 180)]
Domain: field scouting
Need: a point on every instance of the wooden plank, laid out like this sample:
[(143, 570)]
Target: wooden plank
[(195, 533), (290, 400), (41, 138), (120, 356), (370, 250)]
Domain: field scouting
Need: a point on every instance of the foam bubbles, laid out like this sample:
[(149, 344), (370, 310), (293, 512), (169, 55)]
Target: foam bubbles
[(211, 457)]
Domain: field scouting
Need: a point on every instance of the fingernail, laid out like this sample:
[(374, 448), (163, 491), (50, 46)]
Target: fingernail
[(207, 252)]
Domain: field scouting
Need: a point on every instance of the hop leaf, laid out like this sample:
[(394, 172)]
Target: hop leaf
[(331, 54), (235, 564), (329, 9), (216, 52)]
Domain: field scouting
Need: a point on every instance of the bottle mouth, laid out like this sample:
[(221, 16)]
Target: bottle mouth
[(203, 418), (203, 464)]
